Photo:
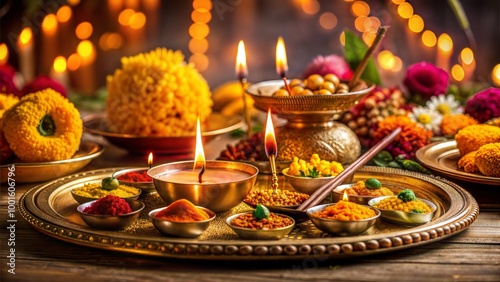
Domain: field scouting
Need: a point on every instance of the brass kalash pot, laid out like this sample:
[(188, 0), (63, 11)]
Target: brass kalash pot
[(311, 126)]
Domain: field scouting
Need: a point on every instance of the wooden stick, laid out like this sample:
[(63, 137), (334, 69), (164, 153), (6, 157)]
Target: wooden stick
[(324, 190), (362, 65)]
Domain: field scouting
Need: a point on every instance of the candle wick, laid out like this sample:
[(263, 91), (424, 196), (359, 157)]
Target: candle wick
[(287, 86), (200, 175)]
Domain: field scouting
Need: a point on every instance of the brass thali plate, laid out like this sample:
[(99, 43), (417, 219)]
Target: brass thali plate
[(44, 171), (50, 209), (442, 158)]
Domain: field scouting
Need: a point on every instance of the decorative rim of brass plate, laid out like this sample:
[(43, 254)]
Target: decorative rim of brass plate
[(442, 157), (459, 210)]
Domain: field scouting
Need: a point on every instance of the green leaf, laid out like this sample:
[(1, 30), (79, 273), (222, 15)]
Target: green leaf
[(354, 51), (313, 173), (383, 158)]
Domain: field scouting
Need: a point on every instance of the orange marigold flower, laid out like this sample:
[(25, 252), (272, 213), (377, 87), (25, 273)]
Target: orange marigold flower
[(451, 124), (411, 138)]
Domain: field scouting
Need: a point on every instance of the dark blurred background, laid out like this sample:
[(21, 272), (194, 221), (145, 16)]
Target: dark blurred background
[(208, 31)]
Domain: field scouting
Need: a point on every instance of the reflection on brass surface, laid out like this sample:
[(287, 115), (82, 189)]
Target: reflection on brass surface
[(50, 209)]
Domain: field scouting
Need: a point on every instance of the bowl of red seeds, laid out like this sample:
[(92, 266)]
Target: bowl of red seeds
[(137, 177), (110, 212)]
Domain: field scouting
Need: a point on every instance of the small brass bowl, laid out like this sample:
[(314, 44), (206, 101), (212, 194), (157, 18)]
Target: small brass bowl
[(338, 194), (146, 187), (308, 185), (111, 222), (260, 234), (181, 229), (341, 227), (82, 199), (405, 218)]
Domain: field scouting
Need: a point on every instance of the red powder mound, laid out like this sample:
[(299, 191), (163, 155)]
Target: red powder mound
[(109, 205), (133, 176)]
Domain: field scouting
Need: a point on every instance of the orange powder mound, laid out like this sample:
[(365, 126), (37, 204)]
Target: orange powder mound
[(182, 211), (343, 210)]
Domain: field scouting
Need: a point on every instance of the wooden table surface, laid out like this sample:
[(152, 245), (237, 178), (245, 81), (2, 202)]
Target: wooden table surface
[(471, 255)]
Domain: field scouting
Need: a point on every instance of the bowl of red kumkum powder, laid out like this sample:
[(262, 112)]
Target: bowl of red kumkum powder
[(110, 212), (136, 177)]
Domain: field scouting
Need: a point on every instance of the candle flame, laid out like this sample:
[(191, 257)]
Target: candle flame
[(150, 159), (199, 156), (25, 36), (345, 197), (269, 138), (281, 61), (241, 61)]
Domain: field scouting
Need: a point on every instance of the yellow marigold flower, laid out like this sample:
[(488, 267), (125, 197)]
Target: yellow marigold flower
[(316, 167), (488, 159), (6, 102), (43, 126), (472, 137), (451, 124), (157, 94)]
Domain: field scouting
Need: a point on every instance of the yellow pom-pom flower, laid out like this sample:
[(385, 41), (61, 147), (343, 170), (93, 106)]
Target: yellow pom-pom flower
[(157, 94), (43, 126), (316, 167)]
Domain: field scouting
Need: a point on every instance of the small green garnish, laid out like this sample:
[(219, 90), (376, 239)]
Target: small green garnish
[(417, 211), (110, 183), (261, 212), (373, 183), (407, 195)]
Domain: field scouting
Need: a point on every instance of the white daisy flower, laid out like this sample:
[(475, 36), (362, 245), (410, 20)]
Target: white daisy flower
[(427, 118), (445, 105)]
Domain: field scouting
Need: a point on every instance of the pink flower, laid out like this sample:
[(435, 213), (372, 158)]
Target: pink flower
[(329, 64), (42, 82), (426, 80), (484, 105)]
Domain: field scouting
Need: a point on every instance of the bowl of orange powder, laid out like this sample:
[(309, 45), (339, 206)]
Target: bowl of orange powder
[(182, 219), (343, 218)]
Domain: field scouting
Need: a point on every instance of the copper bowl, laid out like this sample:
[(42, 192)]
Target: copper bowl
[(146, 187), (181, 229), (405, 218), (308, 185), (111, 222), (260, 234)]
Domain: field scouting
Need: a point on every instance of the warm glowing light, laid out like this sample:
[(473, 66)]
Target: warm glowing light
[(429, 38), (360, 9), (73, 2), (59, 64), (151, 4), (310, 7), (85, 49), (124, 17), (84, 30), (49, 24), (25, 36), (200, 61), (202, 5), (199, 30), (64, 14), (132, 4), (281, 60), (368, 37), (115, 5), (457, 72), (445, 42), (270, 144), (201, 17), (372, 24), (405, 10), (345, 197), (397, 2), (241, 61), (495, 75), (4, 54), (359, 23), (342, 38), (199, 156), (328, 20), (150, 159), (137, 20), (74, 62), (467, 56), (398, 64), (416, 23), (198, 45), (386, 60)]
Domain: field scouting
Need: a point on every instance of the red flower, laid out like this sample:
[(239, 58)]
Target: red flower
[(426, 80), (484, 105), (329, 64), (42, 82)]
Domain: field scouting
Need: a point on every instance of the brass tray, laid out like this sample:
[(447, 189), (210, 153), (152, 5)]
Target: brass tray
[(217, 124), (44, 171), (442, 158), (50, 209)]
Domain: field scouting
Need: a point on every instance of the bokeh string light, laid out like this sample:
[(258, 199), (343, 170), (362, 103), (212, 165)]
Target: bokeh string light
[(199, 30)]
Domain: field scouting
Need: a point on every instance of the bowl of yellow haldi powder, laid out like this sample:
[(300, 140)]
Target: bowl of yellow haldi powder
[(92, 191)]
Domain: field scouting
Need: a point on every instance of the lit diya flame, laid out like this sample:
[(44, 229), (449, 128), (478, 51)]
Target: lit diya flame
[(150, 159), (199, 156), (241, 62), (269, 138), (345, 197), (281, 61)]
